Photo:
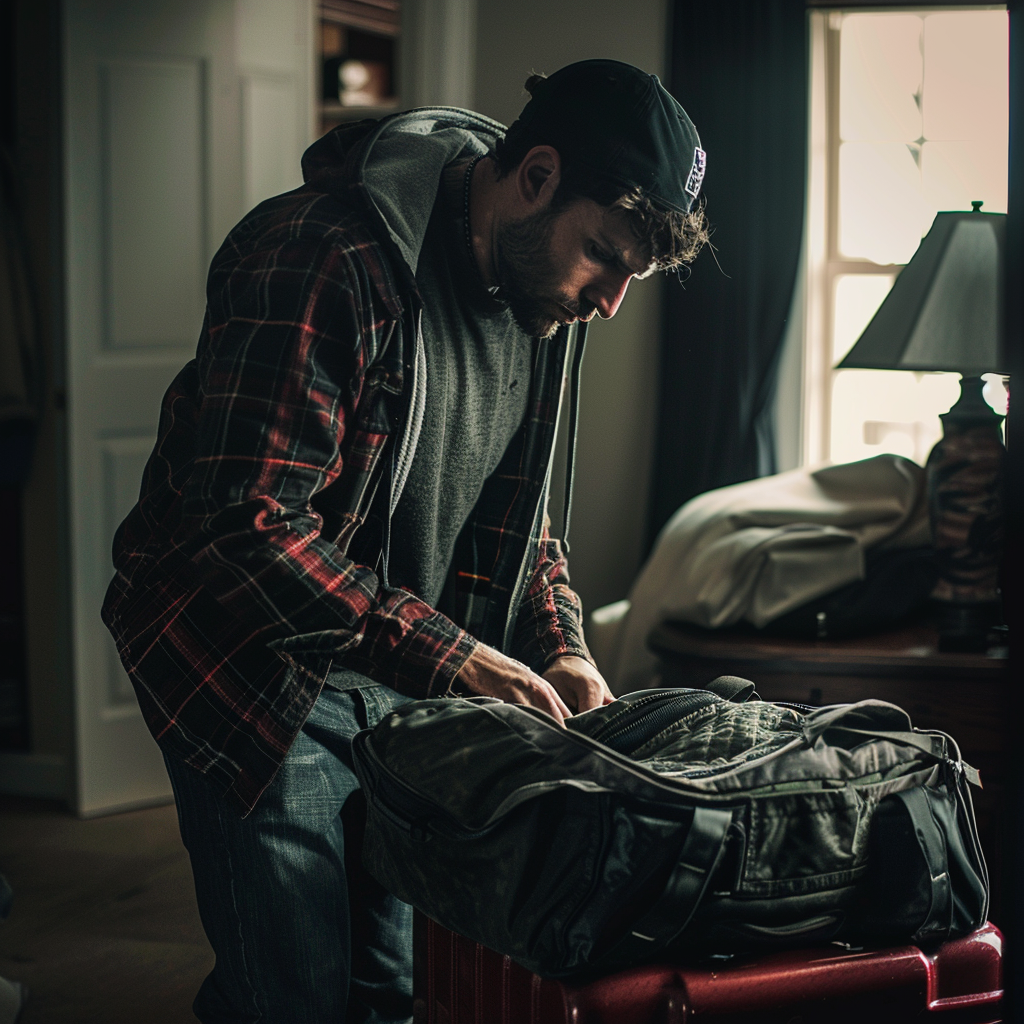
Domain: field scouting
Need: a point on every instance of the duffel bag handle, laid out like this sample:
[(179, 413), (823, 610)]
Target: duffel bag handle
[(733, 688), (827, 719), (819, 720), (934, 744), (671, 913)]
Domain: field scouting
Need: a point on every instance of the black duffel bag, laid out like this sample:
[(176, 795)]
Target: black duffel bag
[(897, 583), (671, 820)]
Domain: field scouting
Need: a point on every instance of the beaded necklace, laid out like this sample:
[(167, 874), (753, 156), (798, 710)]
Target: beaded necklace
[(465, 205)]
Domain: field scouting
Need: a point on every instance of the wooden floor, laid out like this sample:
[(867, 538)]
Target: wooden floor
[(104, 928)]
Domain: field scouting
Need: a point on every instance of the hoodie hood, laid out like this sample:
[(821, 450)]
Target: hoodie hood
[(395, 166)]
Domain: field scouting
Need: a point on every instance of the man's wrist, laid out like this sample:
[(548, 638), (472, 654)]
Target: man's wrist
[(565, 659)]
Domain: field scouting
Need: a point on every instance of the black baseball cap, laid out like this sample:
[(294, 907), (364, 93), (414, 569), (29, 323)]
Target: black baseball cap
[(621, 124)]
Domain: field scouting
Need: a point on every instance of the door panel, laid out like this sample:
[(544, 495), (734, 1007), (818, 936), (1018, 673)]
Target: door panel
[(268, 151), (123, 459), (178, 114), (154, 188)]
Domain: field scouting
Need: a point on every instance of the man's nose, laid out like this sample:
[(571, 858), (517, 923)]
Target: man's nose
[(608, 293)]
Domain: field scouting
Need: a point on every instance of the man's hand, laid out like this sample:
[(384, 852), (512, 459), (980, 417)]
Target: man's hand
[(491, 673), (578, 683)]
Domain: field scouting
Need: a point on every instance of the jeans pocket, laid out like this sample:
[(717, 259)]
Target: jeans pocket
[(367, 706), (379, 701)]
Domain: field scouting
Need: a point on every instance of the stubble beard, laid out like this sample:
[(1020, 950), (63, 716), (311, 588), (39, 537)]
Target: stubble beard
[(526, 269)]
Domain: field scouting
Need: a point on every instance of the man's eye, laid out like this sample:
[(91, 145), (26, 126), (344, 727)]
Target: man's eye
[(600, 256)]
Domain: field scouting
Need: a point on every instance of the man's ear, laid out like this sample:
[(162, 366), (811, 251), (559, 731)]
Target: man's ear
[(537, 177)]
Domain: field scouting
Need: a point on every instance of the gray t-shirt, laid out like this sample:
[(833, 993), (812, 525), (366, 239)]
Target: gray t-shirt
[(478, 383)]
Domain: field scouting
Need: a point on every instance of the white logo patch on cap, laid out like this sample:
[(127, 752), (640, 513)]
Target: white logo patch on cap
[(693, 182)]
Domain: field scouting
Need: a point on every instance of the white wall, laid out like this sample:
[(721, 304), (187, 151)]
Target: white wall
[(616, 425), (438, 53)]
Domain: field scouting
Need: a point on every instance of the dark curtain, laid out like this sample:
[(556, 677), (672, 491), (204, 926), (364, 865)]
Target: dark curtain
[(1013, 558), (739, 68)]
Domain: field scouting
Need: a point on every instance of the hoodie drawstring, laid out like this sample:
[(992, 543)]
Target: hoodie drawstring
[(574, 408)]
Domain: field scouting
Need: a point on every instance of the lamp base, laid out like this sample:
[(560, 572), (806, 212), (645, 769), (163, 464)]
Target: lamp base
[(965, 503), (967, 627)]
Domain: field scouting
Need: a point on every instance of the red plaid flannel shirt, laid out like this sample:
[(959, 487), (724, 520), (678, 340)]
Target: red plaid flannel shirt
[(234, 592)]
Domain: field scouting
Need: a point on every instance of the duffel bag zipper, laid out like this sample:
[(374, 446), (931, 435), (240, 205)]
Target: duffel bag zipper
[(674, 787), (628, 721), (796, 706)]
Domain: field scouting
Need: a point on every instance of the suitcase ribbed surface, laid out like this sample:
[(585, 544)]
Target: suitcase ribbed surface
[(460, 982)]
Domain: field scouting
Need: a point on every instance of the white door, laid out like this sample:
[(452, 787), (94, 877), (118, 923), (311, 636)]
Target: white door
[(179, 115)]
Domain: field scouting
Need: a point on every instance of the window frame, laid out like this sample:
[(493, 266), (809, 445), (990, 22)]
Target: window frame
[(824, 263)]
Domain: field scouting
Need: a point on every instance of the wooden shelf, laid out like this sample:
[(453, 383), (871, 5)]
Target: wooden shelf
[(343, 112), (382, 17), (367, 32), (909, 651)]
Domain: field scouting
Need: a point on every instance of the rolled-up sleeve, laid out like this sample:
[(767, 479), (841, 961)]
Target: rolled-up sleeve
[(549, 624)]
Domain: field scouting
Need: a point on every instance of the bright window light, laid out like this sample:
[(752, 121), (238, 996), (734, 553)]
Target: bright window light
[(880, 72), (882, 210), (858, 297), (915, 122)]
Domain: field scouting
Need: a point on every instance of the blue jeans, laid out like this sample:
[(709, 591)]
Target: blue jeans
[(301, 931)]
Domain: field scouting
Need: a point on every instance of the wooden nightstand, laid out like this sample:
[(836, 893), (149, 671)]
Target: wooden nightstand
[(962, 694)]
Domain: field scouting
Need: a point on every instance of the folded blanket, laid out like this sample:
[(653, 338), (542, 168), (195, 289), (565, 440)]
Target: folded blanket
[(756, 550)]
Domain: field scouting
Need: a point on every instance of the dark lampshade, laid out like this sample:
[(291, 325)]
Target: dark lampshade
[(945, 310), (945, 313)]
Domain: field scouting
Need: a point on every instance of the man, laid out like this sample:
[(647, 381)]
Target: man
[(346, 505)]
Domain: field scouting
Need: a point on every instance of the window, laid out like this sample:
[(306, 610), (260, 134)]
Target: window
[(909, 116)]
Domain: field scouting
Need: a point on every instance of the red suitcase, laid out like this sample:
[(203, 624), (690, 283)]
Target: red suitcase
[(461, 982)]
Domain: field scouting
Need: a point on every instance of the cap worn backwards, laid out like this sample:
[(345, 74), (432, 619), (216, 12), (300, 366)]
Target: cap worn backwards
[(622, 125)]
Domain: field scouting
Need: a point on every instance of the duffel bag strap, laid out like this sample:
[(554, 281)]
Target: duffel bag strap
[(671, 912), (936, 745), (939, 921), (927, 743)]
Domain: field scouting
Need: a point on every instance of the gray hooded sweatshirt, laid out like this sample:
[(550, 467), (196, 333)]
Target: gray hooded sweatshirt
[(478, 361)]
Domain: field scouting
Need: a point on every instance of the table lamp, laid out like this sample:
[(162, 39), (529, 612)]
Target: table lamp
[(945, 312)]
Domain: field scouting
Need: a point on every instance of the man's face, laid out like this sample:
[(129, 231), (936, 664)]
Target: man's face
[(557, 267)]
